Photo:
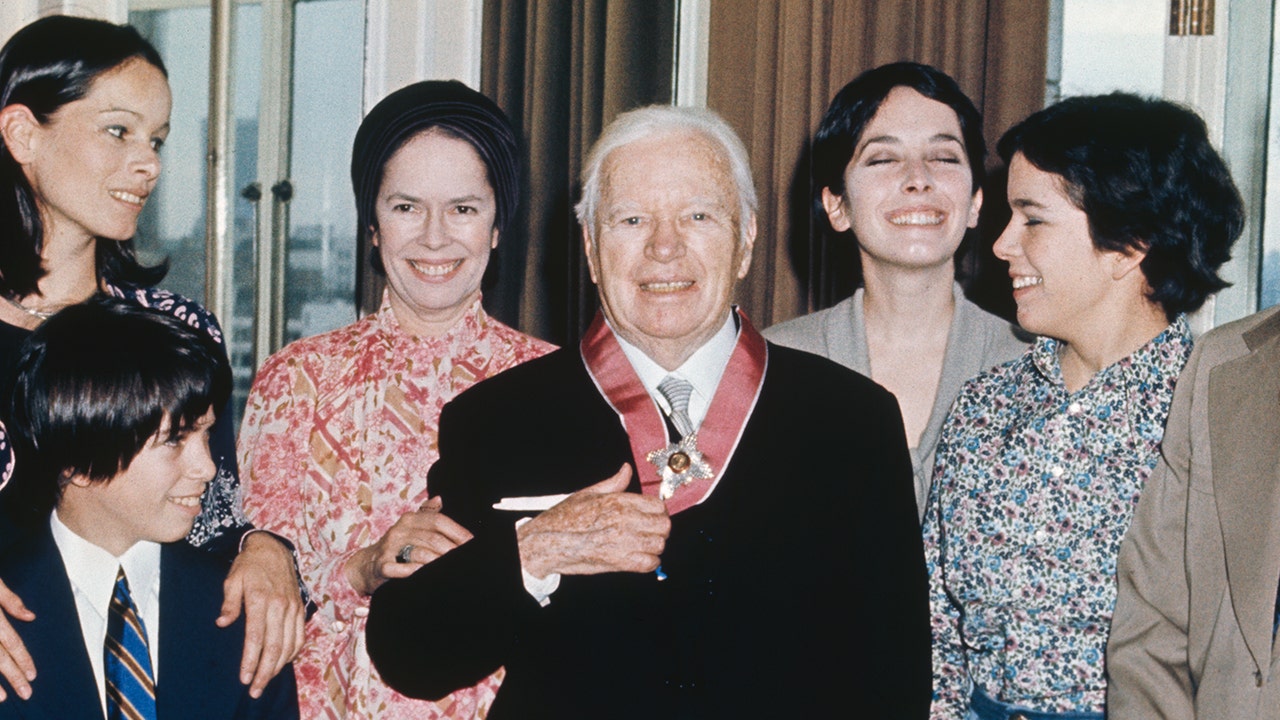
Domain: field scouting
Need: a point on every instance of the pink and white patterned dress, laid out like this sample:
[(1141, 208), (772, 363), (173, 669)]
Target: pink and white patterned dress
[(338, 435)]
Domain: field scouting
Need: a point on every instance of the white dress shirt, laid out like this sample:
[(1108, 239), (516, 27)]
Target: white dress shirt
[(703, 370), (92, 572)]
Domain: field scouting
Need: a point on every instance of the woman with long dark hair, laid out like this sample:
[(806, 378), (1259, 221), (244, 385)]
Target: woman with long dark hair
[(84, 110), (898, 166)]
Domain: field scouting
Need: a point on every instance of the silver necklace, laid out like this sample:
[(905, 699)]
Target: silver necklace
[(41, 314)]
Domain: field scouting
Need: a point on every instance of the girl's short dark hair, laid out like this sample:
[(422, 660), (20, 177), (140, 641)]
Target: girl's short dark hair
[(45, 65), (97, 381), (1148, 179)]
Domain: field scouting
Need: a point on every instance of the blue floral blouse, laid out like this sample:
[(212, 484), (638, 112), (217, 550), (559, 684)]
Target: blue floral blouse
[(1034, 488)]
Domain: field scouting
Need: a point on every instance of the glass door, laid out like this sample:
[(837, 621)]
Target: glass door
[(288, 266)]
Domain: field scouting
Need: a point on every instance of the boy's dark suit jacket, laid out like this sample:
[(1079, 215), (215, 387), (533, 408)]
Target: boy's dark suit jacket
[(797, 589), (199, 662)]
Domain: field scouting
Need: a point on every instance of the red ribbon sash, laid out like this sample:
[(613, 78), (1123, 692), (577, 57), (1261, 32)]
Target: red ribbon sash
[(719, 433)]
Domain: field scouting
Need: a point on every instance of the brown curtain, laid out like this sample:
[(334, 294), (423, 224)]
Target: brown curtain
[(562, 69), (775, 64)]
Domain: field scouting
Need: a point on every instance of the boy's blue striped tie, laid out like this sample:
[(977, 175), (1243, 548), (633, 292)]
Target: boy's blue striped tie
[(131, 687)]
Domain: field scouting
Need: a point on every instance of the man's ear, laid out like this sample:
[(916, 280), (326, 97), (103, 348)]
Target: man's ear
[(77, 479), (18, 127), (837, 211), (588, 247), (746, 245)]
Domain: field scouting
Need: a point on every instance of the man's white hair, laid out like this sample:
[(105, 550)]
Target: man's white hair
[(656, 120)]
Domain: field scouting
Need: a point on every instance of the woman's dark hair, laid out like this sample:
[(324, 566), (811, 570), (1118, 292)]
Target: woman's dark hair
[(1145, 175), (856, 104), (97, 381), (449, 107), (853, 108), (45, 65)]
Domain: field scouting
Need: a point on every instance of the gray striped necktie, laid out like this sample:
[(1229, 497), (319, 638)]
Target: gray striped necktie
[(677, 391)]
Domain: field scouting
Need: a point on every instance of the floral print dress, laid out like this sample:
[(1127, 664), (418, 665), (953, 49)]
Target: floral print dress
[(338, 435)]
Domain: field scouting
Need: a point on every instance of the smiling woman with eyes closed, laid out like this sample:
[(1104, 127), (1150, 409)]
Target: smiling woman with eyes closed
[(898, 164), (84, 110), (340, 428)]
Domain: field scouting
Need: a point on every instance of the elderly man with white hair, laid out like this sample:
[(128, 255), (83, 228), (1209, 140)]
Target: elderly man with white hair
[(675, 519)]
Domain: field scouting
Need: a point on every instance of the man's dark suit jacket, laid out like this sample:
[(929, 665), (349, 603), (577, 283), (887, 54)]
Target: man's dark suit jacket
[(199, 662), (797, 587)]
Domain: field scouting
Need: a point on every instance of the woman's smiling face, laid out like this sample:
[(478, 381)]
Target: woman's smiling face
[(1061, 281), (95, 161), (909, 194), (436, 212)]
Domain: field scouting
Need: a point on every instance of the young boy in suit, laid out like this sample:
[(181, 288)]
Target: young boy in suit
[(110, 418)]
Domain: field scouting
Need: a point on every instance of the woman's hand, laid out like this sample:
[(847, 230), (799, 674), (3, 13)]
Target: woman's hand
[(15, 662), (426, 535), (264, 581)]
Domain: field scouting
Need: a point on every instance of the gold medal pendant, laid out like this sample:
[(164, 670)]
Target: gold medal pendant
[(679, 463)]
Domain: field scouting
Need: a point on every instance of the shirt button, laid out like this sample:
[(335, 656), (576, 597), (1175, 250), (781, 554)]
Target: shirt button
[(1056, 471), (361, 611), (338, 626), (1041, 536), (1074, 408)]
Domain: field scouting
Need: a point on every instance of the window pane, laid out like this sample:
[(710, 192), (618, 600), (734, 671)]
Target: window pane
[(1108, 45), (1270, 291), (172, 223), (327, 79), (246, 80), (320, 274)]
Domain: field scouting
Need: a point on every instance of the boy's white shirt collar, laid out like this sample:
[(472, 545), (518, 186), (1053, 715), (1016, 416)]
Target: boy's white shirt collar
[(93, 569), (92, 572), (703, 369)]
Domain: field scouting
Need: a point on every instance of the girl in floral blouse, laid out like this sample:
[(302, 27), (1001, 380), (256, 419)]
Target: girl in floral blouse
[(340, 428), (1122, 215)]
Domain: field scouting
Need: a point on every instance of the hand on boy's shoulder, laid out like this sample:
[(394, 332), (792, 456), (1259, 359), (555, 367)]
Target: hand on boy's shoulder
[(16, 665)]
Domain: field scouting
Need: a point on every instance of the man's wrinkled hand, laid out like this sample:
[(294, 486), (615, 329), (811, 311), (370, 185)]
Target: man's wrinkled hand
[(601, 528), (264, 581)]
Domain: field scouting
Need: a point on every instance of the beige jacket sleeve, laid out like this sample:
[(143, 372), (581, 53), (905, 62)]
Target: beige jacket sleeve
[(1148, 668)]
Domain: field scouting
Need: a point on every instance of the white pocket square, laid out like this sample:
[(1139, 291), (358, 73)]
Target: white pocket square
[(530, 502)]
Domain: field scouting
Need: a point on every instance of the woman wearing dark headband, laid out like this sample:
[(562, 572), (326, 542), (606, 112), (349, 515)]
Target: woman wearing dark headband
[(340, 428)]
